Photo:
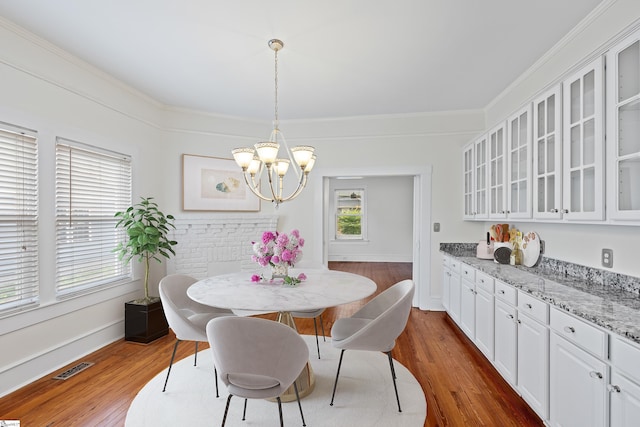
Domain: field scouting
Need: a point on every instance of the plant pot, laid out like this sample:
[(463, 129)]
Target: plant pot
[(144, 322)]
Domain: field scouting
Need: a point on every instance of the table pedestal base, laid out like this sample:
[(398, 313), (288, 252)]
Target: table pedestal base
[(306, 381)]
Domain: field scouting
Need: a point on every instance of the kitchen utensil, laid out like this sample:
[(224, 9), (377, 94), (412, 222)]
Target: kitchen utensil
[(502, 254), (498, 233), (530, 249), (485, 249)]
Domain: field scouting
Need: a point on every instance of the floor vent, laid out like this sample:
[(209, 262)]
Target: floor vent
[(72, 371)]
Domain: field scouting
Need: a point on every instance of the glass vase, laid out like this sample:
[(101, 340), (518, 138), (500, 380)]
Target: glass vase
[(279, 271)]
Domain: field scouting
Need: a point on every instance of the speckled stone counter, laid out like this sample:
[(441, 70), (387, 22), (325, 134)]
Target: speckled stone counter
[(607, 299)]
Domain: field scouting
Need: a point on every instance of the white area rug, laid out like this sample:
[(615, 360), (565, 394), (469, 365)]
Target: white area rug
[(364, 396)]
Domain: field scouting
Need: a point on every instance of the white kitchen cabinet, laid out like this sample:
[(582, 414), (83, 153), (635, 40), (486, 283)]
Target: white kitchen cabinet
[(454, 291), (547, 155), (624, 401), (624, 387), (497, 191), (481, 174), (506, 341), (468, 309), (519, 188), (578, 383), (623, 129), (533, 363), (485, 322), (446, 275), (468, 191), (583, 142)]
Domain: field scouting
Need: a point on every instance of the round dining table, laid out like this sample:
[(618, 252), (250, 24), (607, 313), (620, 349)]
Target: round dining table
[(322, 288)]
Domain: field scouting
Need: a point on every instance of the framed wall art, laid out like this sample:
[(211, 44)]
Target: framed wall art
[(215, 184)]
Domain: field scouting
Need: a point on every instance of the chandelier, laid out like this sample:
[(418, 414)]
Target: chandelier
[(264, 155)]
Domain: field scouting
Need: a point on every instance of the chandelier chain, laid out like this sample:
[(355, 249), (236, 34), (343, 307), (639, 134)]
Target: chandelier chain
[(276, 89)]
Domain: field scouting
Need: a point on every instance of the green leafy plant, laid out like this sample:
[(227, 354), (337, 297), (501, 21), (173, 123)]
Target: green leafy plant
[(147, 228)]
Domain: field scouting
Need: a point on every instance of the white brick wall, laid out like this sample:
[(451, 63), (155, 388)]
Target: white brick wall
[(217, 244)]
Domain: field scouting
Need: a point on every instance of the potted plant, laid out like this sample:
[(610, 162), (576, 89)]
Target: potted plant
[(147, 231)]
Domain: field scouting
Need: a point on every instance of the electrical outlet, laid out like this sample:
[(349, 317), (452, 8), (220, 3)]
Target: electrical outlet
[(436, 227), (607, 258)]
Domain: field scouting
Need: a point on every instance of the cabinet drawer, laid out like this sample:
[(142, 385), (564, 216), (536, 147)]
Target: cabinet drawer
[(506, 293), (467, 272), (484, 281), (454, 265), (533, 307), (581, 333), (625, 357)]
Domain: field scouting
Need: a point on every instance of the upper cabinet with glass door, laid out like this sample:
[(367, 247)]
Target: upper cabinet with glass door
[(519, 171), (468, 182), (481, 174), (547, 155), (583, 134), (623, 129), (497, 140)]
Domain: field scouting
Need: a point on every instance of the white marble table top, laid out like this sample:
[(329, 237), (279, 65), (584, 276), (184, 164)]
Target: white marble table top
[(322, 289)]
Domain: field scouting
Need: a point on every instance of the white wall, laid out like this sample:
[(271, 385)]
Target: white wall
[(577, 243), (389, 220)]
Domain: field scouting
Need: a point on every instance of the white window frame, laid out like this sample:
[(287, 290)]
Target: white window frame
[(92, 184), (363, 214), (19, 285)]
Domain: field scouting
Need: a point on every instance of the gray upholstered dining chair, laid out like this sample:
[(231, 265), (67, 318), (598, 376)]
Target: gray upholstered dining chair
[(312, 314), (375, 326), (187, 318), (257, 358)]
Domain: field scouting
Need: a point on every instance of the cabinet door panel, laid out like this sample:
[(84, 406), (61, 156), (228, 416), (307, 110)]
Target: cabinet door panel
[(519, 155), (484, 322), (578, 386), (583, 133), (625, 402), (506, 341), (533, 364), (454, 297), (497, 172), (468, 182), (468, 309)]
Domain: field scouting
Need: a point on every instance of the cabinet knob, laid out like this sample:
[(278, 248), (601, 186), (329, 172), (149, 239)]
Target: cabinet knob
[(529, 306), (594, 374), (554, 210), (613, 388), (519, 322), (503, 212), (501, 291), (565, 210), (569, 329), (481, 280)]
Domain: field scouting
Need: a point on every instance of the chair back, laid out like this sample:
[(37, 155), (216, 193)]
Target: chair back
[(388, 313), (257, 348)]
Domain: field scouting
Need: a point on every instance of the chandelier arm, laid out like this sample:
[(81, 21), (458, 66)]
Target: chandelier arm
[(301, 185), (276, 199), (254, 187)]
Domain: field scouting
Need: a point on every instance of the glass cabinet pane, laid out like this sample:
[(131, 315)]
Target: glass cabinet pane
[(589, 101), (575, 113), (576, 191), (523, 130), (629, 129), (589, 141), (551, 195), (629, 185), (541, 122), (551, 114), (629, 72), (541, 200), (576, 142), (589, 188), (541, 157), (551, 150)]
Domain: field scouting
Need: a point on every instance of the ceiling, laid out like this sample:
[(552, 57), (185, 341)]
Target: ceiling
[(341, 57)]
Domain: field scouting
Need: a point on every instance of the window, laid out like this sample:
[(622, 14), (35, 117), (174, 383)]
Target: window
[(91, 186), (18, 218), (350, 214)]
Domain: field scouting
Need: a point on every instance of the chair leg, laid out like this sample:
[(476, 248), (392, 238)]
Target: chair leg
[(337, 373), (315, 326), (324, 337), (175, 347), (393, 376), (215, 374), (280, 411), (226, 410), (244, 411), (195, 355), (295, 387)]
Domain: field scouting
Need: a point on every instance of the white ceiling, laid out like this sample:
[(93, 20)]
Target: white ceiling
[(341, 57)]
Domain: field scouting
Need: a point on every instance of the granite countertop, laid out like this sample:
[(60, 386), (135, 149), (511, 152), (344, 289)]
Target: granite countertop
[(603, 302)]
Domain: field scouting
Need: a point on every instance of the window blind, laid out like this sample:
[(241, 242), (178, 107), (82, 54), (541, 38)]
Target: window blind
[(92, 184), (18, 218)]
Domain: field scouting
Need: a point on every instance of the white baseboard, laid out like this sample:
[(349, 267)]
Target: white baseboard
[(26, 371), (370, 258)]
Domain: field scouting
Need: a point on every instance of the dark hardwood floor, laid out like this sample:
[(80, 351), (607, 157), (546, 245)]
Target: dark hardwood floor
[(462, 388)]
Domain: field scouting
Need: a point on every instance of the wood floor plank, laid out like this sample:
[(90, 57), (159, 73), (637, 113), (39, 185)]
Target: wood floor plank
[(461, 387)]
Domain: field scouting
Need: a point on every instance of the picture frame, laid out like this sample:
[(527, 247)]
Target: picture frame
[(215, 184)]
